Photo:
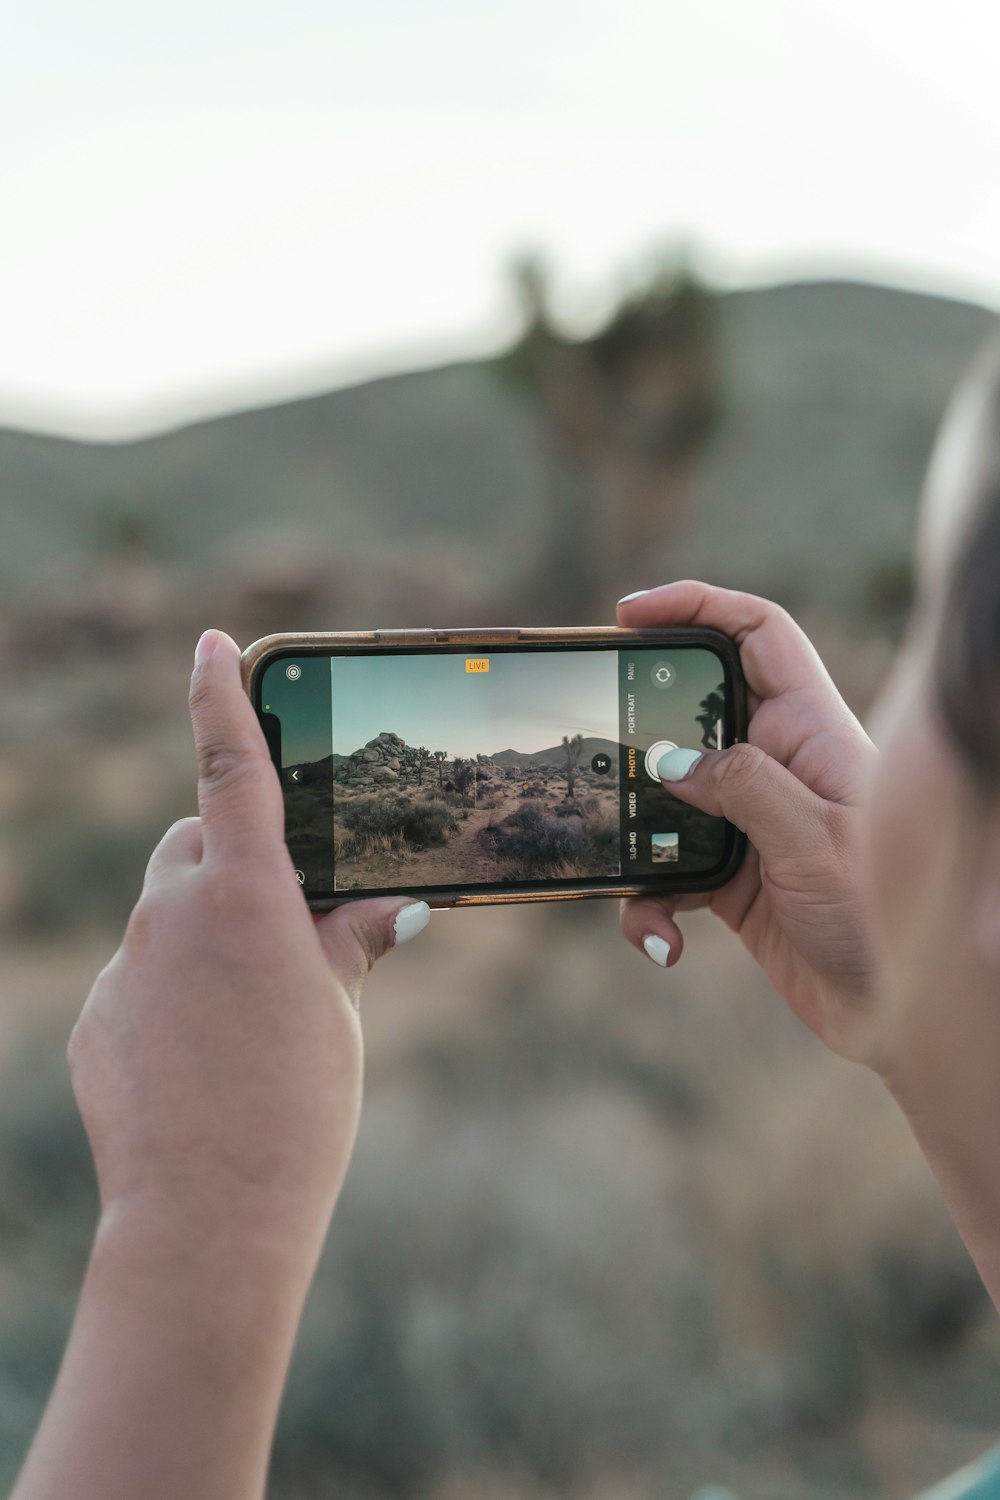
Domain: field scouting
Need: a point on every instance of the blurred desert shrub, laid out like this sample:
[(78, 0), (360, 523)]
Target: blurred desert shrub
[(46, 1173), (551, 1263), (529, 1281), (469, 1316), (48, 1210), (888, 592), (75, 870)]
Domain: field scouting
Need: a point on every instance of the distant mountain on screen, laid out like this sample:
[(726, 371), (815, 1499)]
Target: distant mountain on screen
[(318, 770), (556, 755)]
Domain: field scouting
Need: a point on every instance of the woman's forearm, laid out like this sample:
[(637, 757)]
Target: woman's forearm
[(172, 1376)]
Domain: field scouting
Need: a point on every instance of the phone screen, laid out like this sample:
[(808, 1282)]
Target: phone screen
[(524, 766)]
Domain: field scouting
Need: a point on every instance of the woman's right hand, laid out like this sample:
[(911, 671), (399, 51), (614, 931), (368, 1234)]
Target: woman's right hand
[(797, 789)]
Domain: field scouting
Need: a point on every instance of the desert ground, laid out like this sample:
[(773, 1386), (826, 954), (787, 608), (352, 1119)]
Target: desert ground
[(508, 823)]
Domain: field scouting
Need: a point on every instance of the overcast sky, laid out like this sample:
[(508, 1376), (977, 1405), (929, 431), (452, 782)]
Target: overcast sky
[(206, 204), (524, 703)]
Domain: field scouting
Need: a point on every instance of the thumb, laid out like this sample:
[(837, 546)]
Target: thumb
[(781, 816), (356, 935), (239, 796)]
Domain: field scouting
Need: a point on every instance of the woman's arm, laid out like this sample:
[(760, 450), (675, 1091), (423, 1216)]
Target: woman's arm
[(172, 1378), (217, 1065)]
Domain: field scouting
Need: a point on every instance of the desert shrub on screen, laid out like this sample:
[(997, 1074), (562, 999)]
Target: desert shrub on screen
[(427, 823), (604, 834), (372, 815), (388, 824), (538, 844), (564, 842), (374, 826)]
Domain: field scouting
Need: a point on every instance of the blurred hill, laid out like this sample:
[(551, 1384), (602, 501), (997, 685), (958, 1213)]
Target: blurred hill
[(831, 393), (835, 393)]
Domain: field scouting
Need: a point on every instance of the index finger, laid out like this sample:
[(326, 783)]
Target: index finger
[(778, 657), (239, 797)]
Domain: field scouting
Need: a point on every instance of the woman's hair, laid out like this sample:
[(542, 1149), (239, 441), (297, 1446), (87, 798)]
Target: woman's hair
[(968, 660)]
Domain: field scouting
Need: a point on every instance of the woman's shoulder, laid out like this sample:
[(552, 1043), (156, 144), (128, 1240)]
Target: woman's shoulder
[(978, 1481)]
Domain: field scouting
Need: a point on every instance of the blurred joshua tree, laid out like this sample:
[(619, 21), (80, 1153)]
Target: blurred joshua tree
[(122, 530), (572, 748), (440, 756), (627, 410)]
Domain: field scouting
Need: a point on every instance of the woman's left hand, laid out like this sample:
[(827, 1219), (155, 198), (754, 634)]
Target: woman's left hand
[(217, 1065), (218, 1060)]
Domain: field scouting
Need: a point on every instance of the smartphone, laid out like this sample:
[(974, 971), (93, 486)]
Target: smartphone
[(481, 766)]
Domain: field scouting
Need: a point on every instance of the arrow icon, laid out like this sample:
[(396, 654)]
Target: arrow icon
[(295, 775)]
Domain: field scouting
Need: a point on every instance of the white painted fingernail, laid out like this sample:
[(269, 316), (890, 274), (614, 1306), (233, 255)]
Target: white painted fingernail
[(675, 765), (206, 646), (658, 948), (637, 595), (410, 920)]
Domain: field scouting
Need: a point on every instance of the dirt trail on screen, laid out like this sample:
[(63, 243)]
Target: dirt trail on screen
[(464, 858), (468, 857)]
